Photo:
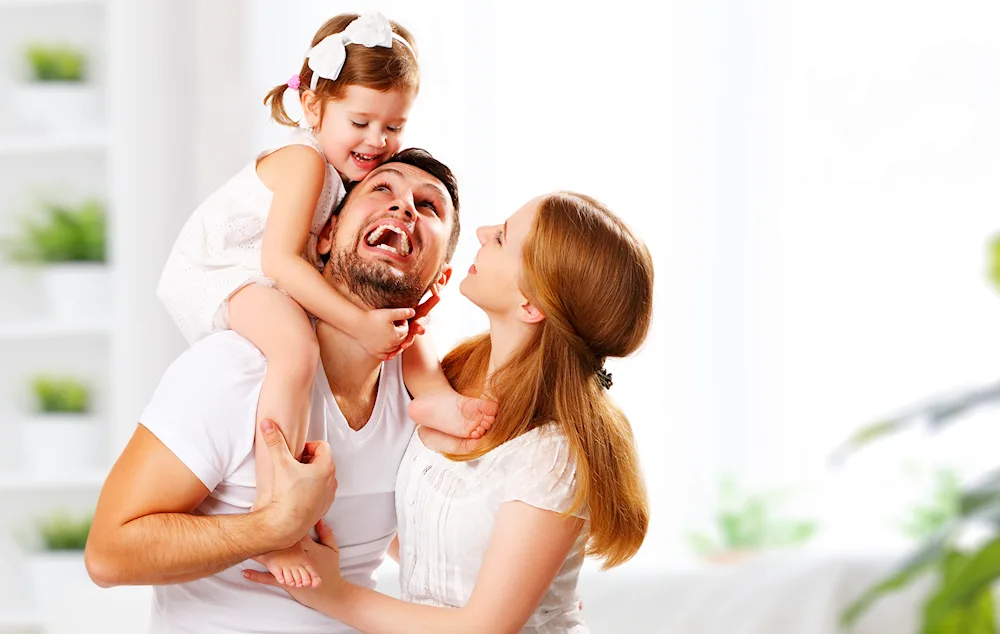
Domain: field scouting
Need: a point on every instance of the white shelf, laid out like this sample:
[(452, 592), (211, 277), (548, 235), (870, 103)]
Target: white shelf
[(50, 3), (94, 141), (48, 329), (69, 482), (21, 620)]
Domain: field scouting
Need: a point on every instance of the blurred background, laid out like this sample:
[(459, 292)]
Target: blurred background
[(819, 186)]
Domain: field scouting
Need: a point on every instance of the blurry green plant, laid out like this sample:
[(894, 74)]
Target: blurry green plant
[(928, 516), (64, 396), (62, 531), (55, 62), (962, 600), (65, 234), (747, 522)]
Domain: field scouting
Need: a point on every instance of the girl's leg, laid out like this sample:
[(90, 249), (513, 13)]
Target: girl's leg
[(281, 330)]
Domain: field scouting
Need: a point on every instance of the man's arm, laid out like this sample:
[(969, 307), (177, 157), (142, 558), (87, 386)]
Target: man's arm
[(143, 531)]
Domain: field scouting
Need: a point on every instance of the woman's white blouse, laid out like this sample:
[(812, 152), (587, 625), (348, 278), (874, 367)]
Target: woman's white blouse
[(447, 510)]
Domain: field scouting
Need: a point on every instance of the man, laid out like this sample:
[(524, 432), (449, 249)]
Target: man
[(176, 506)]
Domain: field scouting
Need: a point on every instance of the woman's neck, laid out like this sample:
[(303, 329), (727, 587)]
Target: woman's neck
[(506, 338)]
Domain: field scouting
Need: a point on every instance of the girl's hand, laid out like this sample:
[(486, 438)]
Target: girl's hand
[(382, 331), (325, 557), (418, 323)]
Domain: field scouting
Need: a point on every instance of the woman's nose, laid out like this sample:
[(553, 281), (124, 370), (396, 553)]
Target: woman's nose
[(482, 233)]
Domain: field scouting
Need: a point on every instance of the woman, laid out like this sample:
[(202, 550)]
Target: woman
[(492, 539)]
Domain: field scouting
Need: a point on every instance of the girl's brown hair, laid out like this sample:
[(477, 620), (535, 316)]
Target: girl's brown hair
[(379, 68), (592, 278)]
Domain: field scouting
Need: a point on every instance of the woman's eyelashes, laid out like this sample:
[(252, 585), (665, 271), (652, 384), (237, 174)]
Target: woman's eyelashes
[(499, 236)]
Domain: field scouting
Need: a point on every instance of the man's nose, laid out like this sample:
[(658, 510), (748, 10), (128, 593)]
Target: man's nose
[(402, 206)]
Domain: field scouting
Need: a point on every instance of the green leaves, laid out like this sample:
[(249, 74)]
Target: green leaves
[(56, 63), (64, 234), (936, 414), (61, 531), (61, 395), (918, 564), (748, 522), (962, 603)]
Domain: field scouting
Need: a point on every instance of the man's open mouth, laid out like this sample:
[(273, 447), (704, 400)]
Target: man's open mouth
[(391, 238)]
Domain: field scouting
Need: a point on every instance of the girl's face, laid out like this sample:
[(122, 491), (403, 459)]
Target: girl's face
[(357, 133), (492, 282)]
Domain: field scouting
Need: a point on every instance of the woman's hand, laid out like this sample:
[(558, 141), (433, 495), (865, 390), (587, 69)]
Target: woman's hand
[(325, 557)]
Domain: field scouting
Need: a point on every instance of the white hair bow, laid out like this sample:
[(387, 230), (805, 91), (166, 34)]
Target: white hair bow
[(326, 59)]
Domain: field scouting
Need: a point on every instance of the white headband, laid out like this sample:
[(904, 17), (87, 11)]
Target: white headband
[(326, 59)]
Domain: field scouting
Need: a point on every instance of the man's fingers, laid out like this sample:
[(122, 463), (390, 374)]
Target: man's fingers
[(265, 578), (320, 451), (274, 439), (325, 535)]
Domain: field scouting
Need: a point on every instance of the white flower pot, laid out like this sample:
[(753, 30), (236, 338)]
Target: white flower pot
[(56, 576), (58, 106), (61, 444), (77, 291)]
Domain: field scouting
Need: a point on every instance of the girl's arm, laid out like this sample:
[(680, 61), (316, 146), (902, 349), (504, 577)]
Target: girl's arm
[(296, 174), (528, 545)]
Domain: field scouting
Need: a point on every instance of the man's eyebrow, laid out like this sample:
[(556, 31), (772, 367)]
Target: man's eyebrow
[(388, 169), (439, 190)]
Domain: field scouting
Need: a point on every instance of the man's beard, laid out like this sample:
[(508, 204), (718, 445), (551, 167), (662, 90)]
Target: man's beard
[(375, 283)]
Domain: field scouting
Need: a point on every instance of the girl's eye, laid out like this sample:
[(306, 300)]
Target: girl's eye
[(394, 130), (359, 125)]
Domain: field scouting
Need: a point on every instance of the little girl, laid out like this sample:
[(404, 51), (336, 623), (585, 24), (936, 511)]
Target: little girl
[(246, 259)]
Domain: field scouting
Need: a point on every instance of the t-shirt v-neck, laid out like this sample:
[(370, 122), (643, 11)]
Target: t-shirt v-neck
[(348, 434)]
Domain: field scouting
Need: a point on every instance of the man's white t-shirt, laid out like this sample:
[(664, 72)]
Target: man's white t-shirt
[(204, 410)]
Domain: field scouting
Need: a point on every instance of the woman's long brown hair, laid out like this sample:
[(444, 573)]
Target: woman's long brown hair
[(592, 278)]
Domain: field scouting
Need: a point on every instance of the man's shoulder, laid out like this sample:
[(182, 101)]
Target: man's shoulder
[(221, 357)]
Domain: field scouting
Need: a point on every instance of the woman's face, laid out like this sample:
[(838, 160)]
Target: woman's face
[(492, 282)]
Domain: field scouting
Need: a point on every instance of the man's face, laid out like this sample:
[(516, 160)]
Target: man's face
[(389, 242)]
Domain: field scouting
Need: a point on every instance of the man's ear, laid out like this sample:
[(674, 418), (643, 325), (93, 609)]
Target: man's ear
[(324, 242), (311, 107), (445, 275), (529, 313)]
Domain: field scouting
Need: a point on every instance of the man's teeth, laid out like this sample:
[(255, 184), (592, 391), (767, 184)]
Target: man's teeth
[(404, 242)]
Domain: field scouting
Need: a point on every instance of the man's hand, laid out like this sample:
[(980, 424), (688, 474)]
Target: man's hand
[(303, 491)]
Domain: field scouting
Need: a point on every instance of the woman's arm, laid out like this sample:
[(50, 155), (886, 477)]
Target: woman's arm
[(529, 546)]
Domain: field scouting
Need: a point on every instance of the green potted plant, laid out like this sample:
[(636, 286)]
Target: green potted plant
[(961, 601), (747, 523), (56, 95), (56, 566), (60, 435), (68, 244)]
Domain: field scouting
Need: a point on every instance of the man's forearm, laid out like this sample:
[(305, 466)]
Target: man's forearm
[(165, 548)]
